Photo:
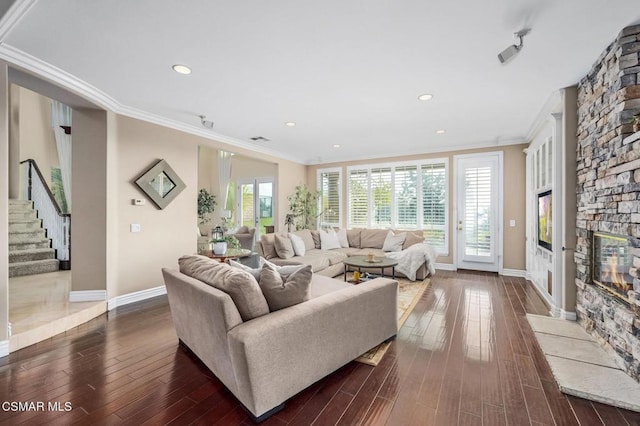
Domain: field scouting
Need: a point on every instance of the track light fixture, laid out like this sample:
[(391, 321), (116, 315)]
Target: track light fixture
[(513, 50), (206, 123)]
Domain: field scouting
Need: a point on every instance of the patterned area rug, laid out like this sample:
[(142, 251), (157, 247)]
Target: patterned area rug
[(409, 293)]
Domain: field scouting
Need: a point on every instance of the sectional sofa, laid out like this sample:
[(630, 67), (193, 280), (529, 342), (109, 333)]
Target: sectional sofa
[(265, 356), (329, 262)]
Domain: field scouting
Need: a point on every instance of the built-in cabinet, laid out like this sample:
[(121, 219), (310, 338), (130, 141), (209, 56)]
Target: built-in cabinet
[(551, 205)]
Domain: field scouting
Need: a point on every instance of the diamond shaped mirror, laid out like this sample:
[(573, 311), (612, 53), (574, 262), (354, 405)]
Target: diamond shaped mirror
[(161, 184)]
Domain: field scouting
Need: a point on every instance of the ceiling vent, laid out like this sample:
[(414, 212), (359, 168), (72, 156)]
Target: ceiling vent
[(259, 139)]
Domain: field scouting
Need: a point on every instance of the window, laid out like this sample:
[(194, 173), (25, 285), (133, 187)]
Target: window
[(434, 204), (403, 196), (381, 197), (358, 198), (330, 200)]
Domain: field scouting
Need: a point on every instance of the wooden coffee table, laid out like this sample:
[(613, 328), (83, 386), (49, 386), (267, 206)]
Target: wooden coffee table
[(362, 262), (229, 254)]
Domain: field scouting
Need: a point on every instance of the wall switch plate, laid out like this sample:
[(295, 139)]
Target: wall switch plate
[(138, 202), (134, 227), (512, 223)]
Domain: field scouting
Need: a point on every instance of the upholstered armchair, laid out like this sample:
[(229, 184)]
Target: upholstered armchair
[(246, 237)]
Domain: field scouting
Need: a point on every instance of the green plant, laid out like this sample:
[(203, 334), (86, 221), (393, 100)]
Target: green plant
[(232, 241), (206, 205), (303, 206)]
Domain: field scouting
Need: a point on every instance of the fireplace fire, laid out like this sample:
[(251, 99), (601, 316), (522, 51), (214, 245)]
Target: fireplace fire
[(612, 261)]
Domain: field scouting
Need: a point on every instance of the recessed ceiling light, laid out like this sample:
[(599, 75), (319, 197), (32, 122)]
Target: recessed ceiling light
[(425, 97), (290, 124), (441, 131), (336, 146), (181, 69)]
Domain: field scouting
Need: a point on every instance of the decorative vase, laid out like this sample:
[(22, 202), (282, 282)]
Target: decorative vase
[(220, 248)]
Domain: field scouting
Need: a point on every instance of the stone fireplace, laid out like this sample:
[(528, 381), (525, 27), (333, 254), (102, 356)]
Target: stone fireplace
[(607, 253)]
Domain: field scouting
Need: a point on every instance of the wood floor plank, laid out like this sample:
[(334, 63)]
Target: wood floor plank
[(465, 356), (585, 413)]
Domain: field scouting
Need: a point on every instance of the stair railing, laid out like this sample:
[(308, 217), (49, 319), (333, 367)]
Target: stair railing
[(57, 223)]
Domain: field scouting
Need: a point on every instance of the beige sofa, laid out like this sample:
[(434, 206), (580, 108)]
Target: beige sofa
[(330, 262), (267, 360)]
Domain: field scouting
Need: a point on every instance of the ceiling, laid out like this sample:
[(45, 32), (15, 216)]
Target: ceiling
[(348, 73)]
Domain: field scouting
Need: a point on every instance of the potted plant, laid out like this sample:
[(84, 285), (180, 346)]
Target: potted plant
[(206, 205), (303, 205), (220, 245)]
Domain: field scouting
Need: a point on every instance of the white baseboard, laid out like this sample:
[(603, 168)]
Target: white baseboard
[(87, 295), (4, 348), (569, 316), (445, 266), (514, 273), (136, 296)]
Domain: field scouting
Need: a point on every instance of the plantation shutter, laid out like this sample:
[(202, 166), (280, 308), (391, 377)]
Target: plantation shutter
[(406, 197), (329, 189), (358, 198), (477, 222), (381, 197), (434, 204)]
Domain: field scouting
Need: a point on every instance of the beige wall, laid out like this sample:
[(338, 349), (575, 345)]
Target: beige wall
[(249, 168), (242, 168), (166, 234), (37, 140), (89, 243), (514, 196), (4, 200)]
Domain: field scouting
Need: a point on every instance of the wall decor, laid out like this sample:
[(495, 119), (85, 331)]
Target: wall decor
[(161, 184)]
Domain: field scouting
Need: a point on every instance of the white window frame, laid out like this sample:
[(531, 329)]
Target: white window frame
[(319, 173), (443, 251)]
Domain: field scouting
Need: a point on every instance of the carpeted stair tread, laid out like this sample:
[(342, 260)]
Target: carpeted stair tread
[(33, 267), (16, 256), (28, 245)]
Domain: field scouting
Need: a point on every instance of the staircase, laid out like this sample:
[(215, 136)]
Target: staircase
[(30, 250)]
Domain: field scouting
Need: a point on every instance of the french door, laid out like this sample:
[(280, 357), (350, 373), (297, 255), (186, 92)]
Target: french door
[(255, 204), (478, 211)]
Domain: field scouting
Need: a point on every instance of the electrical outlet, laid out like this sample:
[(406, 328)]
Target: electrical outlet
[(512, 223), (135, 227), (138, 202)]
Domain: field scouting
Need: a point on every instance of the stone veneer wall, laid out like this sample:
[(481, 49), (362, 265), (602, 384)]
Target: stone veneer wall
[(608, 166)]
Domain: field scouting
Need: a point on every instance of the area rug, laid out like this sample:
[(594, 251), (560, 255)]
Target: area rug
[(409, 293)]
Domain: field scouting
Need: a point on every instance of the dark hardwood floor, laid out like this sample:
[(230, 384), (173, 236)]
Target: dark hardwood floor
[(465, 356)]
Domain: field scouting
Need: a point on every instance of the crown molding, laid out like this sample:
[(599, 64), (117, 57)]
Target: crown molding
[(15, 13), (420, 151), (551, 106), (61, 78)]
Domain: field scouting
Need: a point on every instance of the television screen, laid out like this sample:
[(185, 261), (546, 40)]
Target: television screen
[(544, 220)]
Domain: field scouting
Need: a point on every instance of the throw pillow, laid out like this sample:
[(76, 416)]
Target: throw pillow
[(342, 238), (284, 249), (329, 240), (299, 247), (240, 285), (284, 271), (393, 242), (353, 236), (307, 237), (253, 271), (283, 292), (315, 235), (413, 238)]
